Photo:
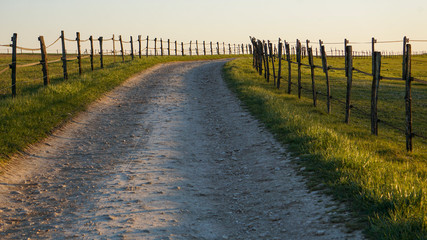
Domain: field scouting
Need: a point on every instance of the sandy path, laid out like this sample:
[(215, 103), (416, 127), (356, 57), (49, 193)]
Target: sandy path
[(169, 155)]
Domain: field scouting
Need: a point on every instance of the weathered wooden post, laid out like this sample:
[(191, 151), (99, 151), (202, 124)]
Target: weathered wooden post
[(279, 71), (139, 46), (13, 64), (101, 52), (325, 70), (311, 63), (408, 98), (79, 53), (155, 46), (204, 48), (217, 48), (114, 49), (374, 92), (161, 47), (182, 48), (91, 52), (404, 65), (211, 48), (373, 41), (176, 48), (146, 48), (229, 49), (169, 47), (223, 48), (131, 48), (288, 58), (190, 48), (197, 48), (64, 56), (299, 67), (43, 61), (121, 48), (349, 56), (270, 47), (266, 63)]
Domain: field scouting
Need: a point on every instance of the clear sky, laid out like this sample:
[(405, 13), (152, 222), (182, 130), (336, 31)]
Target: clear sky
[(216, 20)]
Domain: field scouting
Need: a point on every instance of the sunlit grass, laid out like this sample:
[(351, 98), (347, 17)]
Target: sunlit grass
[(382, 183)]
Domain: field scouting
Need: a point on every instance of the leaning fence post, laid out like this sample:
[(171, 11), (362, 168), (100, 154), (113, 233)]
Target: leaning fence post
[(408, 99), (299, 67), (121, 48), (311, 63), (13, 64), (79, 53), (44, 61), (374, 94), (279, 71), (349, 56), (91, 52), (325, 70), (64, 56), (101, 54)]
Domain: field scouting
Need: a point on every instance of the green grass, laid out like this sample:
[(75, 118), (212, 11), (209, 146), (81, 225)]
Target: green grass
[(383, 185), (37, 110)]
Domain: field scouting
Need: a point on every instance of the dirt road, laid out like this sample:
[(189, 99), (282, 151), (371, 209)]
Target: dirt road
[(171, 154)]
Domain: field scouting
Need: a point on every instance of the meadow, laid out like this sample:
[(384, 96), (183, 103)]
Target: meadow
[(384, 185)]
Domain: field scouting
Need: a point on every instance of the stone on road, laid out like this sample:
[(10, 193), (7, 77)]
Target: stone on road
[(170, 154)]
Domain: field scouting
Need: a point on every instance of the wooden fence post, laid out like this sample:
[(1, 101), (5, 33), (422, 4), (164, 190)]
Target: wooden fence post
[(217, 48), (266, 63), (79, 53), (182, 48), (146, 48), (176, 48), (155, 46), (13, 64), (197, 48), (408, 99), (229, 49), (270, 48), (211, 48), (64, 56), (114, 50), (169, 47), (299, 67), (223, 48), (101, 52), (204, 48), (91, 52), (374, 93), (288, 58), (325, 70), (349, 56), (43, 62), (279, 71), (131, 48), (190, 49), (373, 41), (139, 46), (161, 47), (121, 48), (311, 63), (404, 65)]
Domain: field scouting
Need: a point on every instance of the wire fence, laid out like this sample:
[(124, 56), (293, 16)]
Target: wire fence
[(268, 57), (27, 65)]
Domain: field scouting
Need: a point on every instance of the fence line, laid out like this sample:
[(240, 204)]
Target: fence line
[(263, 53)]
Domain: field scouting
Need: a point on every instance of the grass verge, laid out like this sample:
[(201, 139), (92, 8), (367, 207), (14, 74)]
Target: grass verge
[(37, 110), (384, 186)]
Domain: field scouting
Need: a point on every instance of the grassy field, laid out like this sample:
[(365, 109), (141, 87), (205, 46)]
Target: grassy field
[(384, 186), (37, 110)]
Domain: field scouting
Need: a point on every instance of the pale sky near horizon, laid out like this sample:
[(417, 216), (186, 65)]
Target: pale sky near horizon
[(220, 20)]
